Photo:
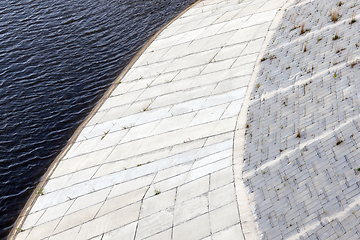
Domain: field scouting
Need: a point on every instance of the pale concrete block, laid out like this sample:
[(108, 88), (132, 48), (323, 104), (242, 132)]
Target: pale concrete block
[(175, 51), (80, 162), (219, 40), (233, 109), (222, 126), (110, 221), (208, 20), (208, 115), (157, 203), (222, 196), (55, 212), (244, 35), (192, 189), (115, 203), (138, 107), (165, 100), (130, 186), (263, 30), (246, 69), (112, 114), (232, 84), (166, 185), (172, 172), (234, 24), (173, 123), (188, 106), (242, 60), (253, 46), (168, 139), (195, 207), (224, 137), (261, 17), (82, 175), (224, 217), (141, 59), (122, 99), (234, 232), (191, 36), (127, 122), (215, 66), (187, 146), (178, 85), (97, 117), (99, 129), (124, 150), (271, 5), (149, 157), (22, 235), (99, 237), (192, 60), (151, 92), (221, 178), (212, 158), (145, 72), (227, 16), (87, 146), (32, 219), (67, 166), (155, 223), (141, 131), (44, 230), (188, 72), (250, 9), (122, 88), (191, 25), (165, 235), (171, 30), (112, 167), (165, 78), (70, 234), (212, 30), (84, 133), (56, 183), (194, 229), (77, 218), (152, 115), (48, 200), (72, 150), (224, 98), (166, 42), (228, 52), (89, 200), (197, 92), (126, 232), (207, 238)]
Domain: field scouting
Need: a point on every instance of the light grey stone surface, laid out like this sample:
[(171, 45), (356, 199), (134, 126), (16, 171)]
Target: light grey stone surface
[(157, 160)]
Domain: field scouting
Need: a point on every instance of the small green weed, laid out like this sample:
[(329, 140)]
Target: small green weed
[(40, 191), (105, 133)]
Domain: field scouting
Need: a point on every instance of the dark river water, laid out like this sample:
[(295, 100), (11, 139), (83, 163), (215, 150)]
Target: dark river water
[(57, 58)]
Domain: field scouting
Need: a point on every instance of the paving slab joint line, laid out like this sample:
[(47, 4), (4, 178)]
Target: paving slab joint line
[(32, 199), (245, 204)]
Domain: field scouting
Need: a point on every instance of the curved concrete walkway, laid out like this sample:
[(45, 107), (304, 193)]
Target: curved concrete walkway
[(161, 158)]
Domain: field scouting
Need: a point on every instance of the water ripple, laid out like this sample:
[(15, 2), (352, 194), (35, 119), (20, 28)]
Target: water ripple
[(57, 58)]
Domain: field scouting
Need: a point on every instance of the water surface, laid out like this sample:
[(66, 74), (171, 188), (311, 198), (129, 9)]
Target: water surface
[(57, 58)]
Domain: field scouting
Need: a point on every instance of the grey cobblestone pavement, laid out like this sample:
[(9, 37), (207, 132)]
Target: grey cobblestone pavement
[(302, 155)]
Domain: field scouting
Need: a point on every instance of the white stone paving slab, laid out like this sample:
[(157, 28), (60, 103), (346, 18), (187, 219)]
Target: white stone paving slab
[(157, 160)]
